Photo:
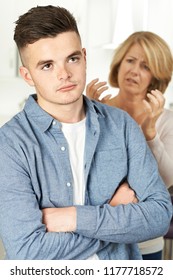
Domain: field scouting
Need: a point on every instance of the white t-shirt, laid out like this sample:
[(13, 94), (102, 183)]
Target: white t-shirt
[(75, 136)]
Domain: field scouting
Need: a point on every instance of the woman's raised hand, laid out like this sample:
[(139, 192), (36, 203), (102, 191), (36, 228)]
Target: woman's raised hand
[(153, 107), (94, 90)]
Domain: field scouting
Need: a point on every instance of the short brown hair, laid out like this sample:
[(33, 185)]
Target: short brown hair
[(41, 22), (158, 57)]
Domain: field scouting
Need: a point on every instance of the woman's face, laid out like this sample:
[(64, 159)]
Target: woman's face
[(134, 75)]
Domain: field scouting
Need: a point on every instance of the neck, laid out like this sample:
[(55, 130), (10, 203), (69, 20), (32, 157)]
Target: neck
[(67, 113), (133, 106)]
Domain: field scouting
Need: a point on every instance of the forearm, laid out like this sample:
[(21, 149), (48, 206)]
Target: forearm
[(33, 242), (24, 235), (147, 219), (125, 223), (64, 219), (60, 219), (163, 153)]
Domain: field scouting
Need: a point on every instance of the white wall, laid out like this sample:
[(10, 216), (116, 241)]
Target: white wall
[(100, 22)]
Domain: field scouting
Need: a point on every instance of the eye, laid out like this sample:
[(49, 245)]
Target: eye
[(47, 66), (146, 67), (129, 60), (74, 59)]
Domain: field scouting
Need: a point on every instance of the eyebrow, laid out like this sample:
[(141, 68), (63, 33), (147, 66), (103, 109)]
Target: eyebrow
[(75, 53), (134, 57), (42, 62), (130, 55)]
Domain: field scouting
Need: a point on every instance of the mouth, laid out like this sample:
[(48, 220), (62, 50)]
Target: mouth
[(131, 81), (66, 88)]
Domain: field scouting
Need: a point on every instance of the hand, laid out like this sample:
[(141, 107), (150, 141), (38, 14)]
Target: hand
[(123, 195), (94, 90), (153, 109), (59, 219)]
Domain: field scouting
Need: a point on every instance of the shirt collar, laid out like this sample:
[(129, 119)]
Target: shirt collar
[(35, 112), (44, 120), (93, 106)]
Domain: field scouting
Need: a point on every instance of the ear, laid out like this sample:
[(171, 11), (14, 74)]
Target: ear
[(84, 53), (24, 72)]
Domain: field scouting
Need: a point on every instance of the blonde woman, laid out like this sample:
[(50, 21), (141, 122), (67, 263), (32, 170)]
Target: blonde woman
[(142, 69)]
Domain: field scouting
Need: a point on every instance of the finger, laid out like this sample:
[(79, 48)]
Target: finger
[(159, 96), (105, 98), (94, 89), (153, 100), (90, 89), (135, 200), (99, 85), (156, 101), (124, 185), (101, 90), (93, 82), (156, 98), (147, 107)]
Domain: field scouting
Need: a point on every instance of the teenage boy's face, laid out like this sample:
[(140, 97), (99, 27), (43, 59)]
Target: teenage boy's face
[(56, 67)]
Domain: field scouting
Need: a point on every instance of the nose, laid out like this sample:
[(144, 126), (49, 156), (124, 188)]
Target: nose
[(63, 73), (135, 69)]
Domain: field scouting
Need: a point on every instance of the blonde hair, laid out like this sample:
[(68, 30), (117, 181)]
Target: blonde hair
[(158, 57)]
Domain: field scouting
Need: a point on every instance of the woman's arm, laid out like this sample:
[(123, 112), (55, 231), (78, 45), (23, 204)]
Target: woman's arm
[(162, 146), (158, 131)]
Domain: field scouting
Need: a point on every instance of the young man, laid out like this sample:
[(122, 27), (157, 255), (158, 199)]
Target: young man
[(63, 158)]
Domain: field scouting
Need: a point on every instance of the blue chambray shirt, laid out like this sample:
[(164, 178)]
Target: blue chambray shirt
[(35, 173)]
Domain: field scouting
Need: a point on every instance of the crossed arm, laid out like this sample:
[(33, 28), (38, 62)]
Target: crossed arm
[(65, 219)]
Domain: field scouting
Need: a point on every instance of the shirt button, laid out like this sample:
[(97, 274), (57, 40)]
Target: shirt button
[(62, 149), (54, 122), (68, 184)]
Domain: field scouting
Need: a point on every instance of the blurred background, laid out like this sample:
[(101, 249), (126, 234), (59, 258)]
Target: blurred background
[(103, 24)]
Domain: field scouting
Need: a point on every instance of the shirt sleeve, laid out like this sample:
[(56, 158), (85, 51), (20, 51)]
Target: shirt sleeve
[(21, 228), (162, 147), (138, 222)]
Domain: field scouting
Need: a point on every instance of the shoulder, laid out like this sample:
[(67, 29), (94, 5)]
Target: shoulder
[(10, 130), (119, 116), (167, 114), (166, 118), (117, 122), (109, 111)]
